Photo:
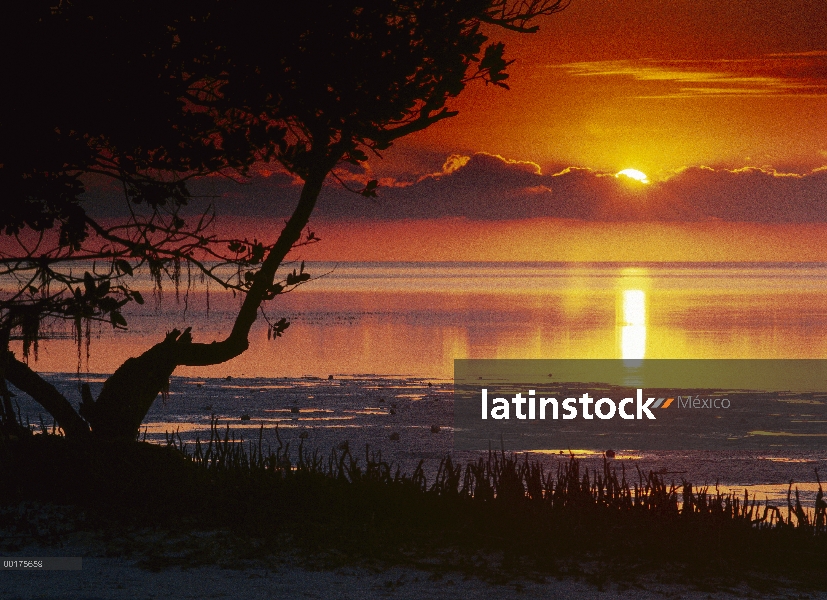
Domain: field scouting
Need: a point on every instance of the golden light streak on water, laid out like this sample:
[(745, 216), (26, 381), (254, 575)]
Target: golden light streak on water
[(633, 330), (417, 320)]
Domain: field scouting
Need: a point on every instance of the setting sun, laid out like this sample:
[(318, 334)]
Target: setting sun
[(634, 174)]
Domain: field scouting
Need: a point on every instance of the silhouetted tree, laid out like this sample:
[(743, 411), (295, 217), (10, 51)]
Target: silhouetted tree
[(151, 94)]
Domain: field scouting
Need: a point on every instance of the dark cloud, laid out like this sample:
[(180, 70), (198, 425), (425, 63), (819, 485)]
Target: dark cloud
[(752, 195), (487, 187), (480, 186)]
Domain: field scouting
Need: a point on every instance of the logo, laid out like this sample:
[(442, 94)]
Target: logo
[(531, 407)]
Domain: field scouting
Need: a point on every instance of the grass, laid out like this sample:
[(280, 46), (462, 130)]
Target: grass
[(502, 510)]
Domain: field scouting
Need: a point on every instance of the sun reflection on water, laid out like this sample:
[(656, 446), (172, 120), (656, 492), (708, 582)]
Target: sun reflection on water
[(481, 310), (633, 325)]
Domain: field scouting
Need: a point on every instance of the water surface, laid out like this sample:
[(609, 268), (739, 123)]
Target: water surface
[(414, 319)]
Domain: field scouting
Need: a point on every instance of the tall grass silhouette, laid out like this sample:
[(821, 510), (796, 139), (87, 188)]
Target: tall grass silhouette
[(504, 505)]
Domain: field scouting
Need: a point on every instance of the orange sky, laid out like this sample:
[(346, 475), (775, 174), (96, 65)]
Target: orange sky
[(721, 104), (645, 84), (653, 85), (453, 239)]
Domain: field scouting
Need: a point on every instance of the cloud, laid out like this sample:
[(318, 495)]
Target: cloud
[(482, 186), (488, 187), (803, 73), (749, 194)]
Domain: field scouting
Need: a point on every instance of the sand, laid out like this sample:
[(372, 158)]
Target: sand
[(118, 577), (148, 563)]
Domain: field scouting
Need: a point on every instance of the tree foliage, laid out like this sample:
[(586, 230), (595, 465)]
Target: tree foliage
[(149, 95)]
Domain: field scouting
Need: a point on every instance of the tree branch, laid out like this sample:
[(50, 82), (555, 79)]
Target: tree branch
[(385, 137), (129, 393), (44, 393), (515, 15), (236, 342)]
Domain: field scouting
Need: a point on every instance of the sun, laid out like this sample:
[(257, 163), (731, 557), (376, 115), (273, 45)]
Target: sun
[(634, 174)]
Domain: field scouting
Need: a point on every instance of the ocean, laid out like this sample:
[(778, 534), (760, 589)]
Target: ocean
[(370, 350)]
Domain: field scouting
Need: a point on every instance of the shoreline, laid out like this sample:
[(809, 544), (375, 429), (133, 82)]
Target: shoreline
[(154, 563), (361, 410)]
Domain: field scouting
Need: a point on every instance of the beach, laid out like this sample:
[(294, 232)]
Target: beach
[(366, 367), (370, 352), (152, 564), (409, 420)]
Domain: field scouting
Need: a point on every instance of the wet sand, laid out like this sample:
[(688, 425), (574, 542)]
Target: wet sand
[(108, 577)]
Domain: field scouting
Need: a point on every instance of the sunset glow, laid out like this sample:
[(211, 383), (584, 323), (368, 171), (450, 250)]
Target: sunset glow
[(634, 174), (704, 141), (537, 243), (658, 86)]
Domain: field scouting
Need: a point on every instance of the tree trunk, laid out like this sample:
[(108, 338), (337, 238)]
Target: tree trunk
[(128, 394)]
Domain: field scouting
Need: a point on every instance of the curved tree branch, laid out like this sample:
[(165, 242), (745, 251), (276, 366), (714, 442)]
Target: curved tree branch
[(129, 393), (515, 15), (23, 378)]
